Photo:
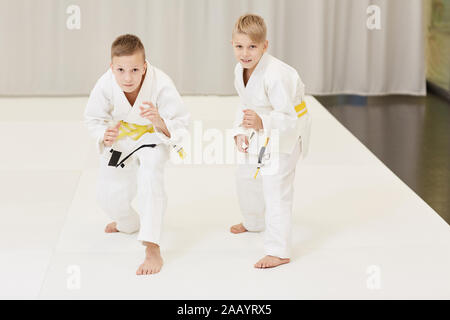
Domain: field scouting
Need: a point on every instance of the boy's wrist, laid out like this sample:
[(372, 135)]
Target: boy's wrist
[(163, 128)]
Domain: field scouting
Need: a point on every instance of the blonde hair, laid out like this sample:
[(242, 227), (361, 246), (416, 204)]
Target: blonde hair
[(251, 25), (126, 45)]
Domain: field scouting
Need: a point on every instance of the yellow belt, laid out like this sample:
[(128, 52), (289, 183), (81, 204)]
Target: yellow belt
[(301, 109), (260, 156), (134, 131)]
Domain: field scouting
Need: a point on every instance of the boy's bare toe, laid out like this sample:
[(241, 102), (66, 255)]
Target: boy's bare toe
[(149, 267), (111, 227), (270, 262), (238, 228)]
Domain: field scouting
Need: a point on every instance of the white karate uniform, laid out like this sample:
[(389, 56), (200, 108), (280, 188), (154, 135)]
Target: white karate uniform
[(273, 91), (143, 174)]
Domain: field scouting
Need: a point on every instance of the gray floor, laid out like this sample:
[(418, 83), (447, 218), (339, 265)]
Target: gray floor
[(411, 135)]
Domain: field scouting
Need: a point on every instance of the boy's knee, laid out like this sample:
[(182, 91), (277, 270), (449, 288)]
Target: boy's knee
[(113, 202)]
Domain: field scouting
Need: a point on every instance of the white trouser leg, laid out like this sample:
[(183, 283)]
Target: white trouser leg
[(116, 189), (278, 191), (250, 196), (151, 199)]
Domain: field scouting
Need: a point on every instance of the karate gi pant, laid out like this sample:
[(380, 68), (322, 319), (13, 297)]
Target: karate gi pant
[(266, 202), (142, 176)]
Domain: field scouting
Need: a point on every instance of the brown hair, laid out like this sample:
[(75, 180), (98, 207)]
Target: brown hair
[(126, 45), (251, 25)]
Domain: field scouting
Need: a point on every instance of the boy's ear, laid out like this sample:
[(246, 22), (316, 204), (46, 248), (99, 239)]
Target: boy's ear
[(145, 68), (266, 44)]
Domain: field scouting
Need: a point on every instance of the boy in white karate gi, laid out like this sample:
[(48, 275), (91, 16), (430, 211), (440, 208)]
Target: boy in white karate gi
[(273, 114), (135, 107)]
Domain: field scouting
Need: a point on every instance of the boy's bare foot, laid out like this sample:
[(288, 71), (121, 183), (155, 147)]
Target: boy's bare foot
[(270, 262), (153, 261), (111, 227), (238, 228)]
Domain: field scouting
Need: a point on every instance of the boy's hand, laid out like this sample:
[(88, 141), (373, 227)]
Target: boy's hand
[(241, 142), (152, 114), (111, 135), (252, 120)]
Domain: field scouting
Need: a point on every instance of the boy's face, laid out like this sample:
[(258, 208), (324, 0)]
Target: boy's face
[(129, 71), (248, 52)]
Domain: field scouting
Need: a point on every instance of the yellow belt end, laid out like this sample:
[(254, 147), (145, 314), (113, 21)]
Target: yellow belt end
[(182, 154)]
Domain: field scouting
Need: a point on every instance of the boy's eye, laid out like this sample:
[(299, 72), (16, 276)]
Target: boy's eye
[(239, 46), (120, 69), (253, 46), (135, 69)]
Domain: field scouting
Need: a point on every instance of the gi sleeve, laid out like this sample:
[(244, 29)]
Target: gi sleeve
[(237, 123), (174, 113), (98, 113), (285, 92)]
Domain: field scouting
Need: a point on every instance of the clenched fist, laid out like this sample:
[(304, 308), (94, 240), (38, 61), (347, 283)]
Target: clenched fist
[(252, 120), (241, 142), (111, 135)]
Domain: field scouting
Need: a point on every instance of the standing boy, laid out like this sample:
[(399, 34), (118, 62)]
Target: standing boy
[(271, 126)]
